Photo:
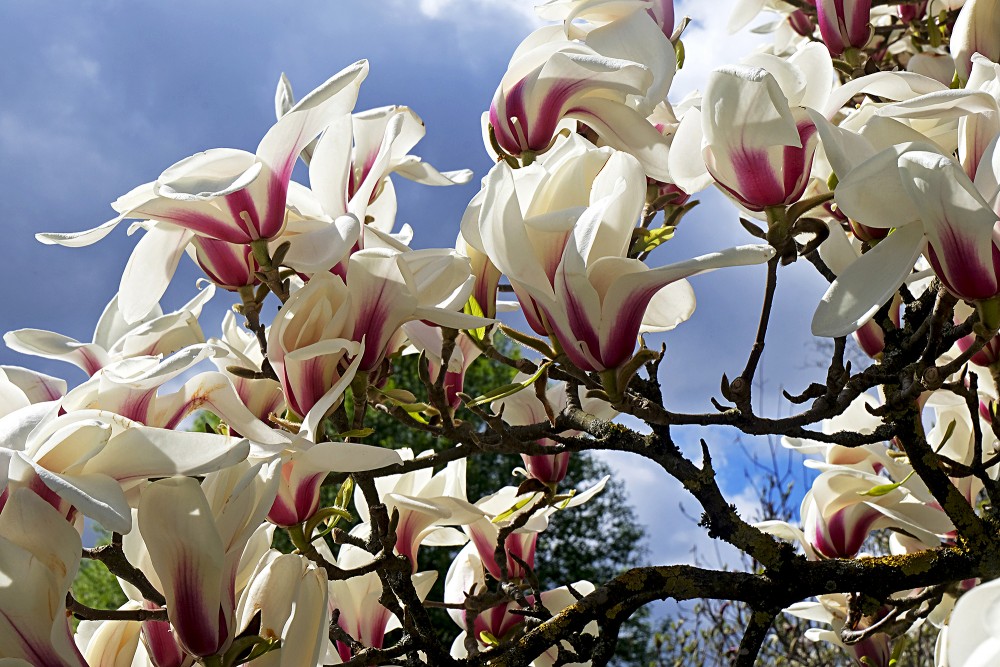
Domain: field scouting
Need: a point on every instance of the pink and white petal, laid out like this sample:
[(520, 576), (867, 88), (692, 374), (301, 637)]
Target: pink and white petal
[(889, 85), (89, 357), (313, 419), (336, 97), (143, 452), (625, 300), (868, 283), (415, 169), (214, 391), (39, 556), (579, 320), (626, 130), (321, 249), (330, 167), (149, 269), (638, 38), (36, 387), (200, 216), (178, 527), (685, 162), (975, 135), (958, 222), (669, 307), (96, 496), (347, 457), (753, 96), (873, 193)]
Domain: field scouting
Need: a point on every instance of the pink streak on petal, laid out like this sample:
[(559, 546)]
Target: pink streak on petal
[(203, 224), (241, 203), (90, 362), (959, 268), (758, 184), (196, 630), (797, 162)]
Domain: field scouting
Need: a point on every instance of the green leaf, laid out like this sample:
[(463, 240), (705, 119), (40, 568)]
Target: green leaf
[(357, 433), (508, 389), (647, 240), (520, 504), (473, 308), (948, 432), (882, 489)]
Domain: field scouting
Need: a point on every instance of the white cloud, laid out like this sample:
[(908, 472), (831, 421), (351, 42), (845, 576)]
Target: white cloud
[(473, 11), (673, 533), (708, 43)]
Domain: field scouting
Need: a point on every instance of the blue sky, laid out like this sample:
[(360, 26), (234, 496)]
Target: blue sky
[(102, 95)]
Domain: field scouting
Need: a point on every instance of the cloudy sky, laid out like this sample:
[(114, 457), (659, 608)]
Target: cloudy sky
[(102, 95)]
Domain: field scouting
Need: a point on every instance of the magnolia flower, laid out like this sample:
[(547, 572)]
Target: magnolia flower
[(357, 600), (844, 24), (499, 510), (350, 182), (428, 340), (130, 388), (756, 147), (232, 195), (550, 81), (427, 505), (39, 558), (159, 641), (330, 321), (560, 230), (115, 338), (86, 461), (196, 535), (841, 509), (936, 209), (288, 597), (465, 575), (304, 467)]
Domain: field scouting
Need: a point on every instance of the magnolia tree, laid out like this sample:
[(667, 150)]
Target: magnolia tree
[(863, 139)]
